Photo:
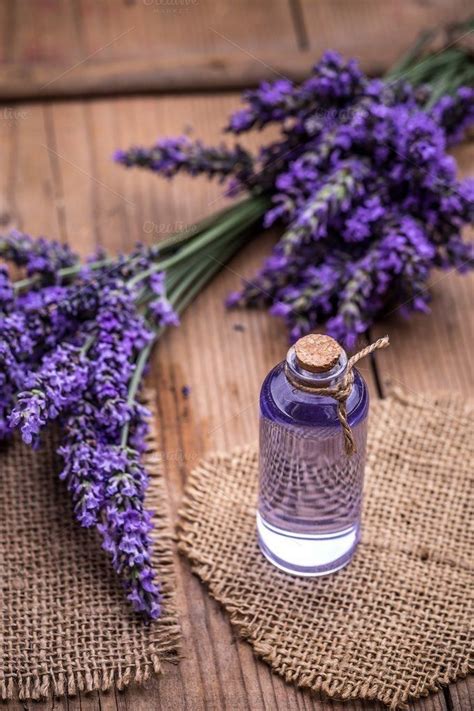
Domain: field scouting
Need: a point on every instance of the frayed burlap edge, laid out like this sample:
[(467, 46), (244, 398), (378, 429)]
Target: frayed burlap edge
[(37, 687), (195, 493), (240, 622)]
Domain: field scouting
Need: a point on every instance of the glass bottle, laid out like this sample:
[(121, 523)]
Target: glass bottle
[(310, 492)]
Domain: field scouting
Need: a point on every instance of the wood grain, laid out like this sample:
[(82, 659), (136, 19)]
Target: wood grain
[(149, 45), (379, 33), (55, 48), (60, 181), (462, 694), (41, 32)]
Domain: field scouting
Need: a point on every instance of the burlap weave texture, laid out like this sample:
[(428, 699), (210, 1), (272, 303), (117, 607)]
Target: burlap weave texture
[(66, 625), (394, 624)]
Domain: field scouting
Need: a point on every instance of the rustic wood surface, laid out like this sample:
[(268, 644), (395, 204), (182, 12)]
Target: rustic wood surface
[(78, 47), (57, 179)]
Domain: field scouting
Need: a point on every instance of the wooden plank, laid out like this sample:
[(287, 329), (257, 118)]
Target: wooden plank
[(96, 201), (8, 157), (42, 32), (143, 46), (149, 74), (433, 702), (90, 48), (7, 36), (462, 694), (433, 353), (221, 671), (378, 33), (26, 180), (173, 28), (217, 670)]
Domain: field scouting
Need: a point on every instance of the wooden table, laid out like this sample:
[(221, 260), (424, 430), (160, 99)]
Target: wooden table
[(57, 179)]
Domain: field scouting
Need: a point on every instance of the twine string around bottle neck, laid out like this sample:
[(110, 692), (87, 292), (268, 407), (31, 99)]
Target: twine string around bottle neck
[(342, 390)]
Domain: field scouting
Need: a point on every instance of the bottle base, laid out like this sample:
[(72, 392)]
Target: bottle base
[(307, 555)]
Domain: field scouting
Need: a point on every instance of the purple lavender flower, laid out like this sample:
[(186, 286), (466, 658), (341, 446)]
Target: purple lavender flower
[(361, 181), (403, 252), (83, 471), (126, 530), (333, 83), (173, 155), (455, 114), (160, 309), (272, 101), (353, 174), (7, 294), (107, 485), (70, 353), (39, 256), (364, 219), (59, 383)]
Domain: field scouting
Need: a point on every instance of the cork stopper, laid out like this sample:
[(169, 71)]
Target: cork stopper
[(317, 352)]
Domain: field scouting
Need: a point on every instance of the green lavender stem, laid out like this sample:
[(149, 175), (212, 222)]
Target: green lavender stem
[(244, 215), (190, 273), (444, 70), (170, 244), (136, 380)]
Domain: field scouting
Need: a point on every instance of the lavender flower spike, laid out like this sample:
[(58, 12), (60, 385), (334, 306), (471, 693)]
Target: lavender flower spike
[(60, 382)]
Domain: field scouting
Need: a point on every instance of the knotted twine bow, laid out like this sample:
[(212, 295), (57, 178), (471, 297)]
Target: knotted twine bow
[(342, 390)]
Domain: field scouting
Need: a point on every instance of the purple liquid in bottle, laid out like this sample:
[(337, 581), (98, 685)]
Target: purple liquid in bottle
[(310, 495)]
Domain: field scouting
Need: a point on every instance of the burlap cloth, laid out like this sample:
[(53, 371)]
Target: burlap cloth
[(66, 625), (394, 624)]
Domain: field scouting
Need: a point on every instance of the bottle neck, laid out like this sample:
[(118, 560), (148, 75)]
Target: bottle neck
[(307, 379)]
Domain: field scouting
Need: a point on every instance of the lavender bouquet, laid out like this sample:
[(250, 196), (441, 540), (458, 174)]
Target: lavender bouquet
[(360, 179), (74, 343)]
